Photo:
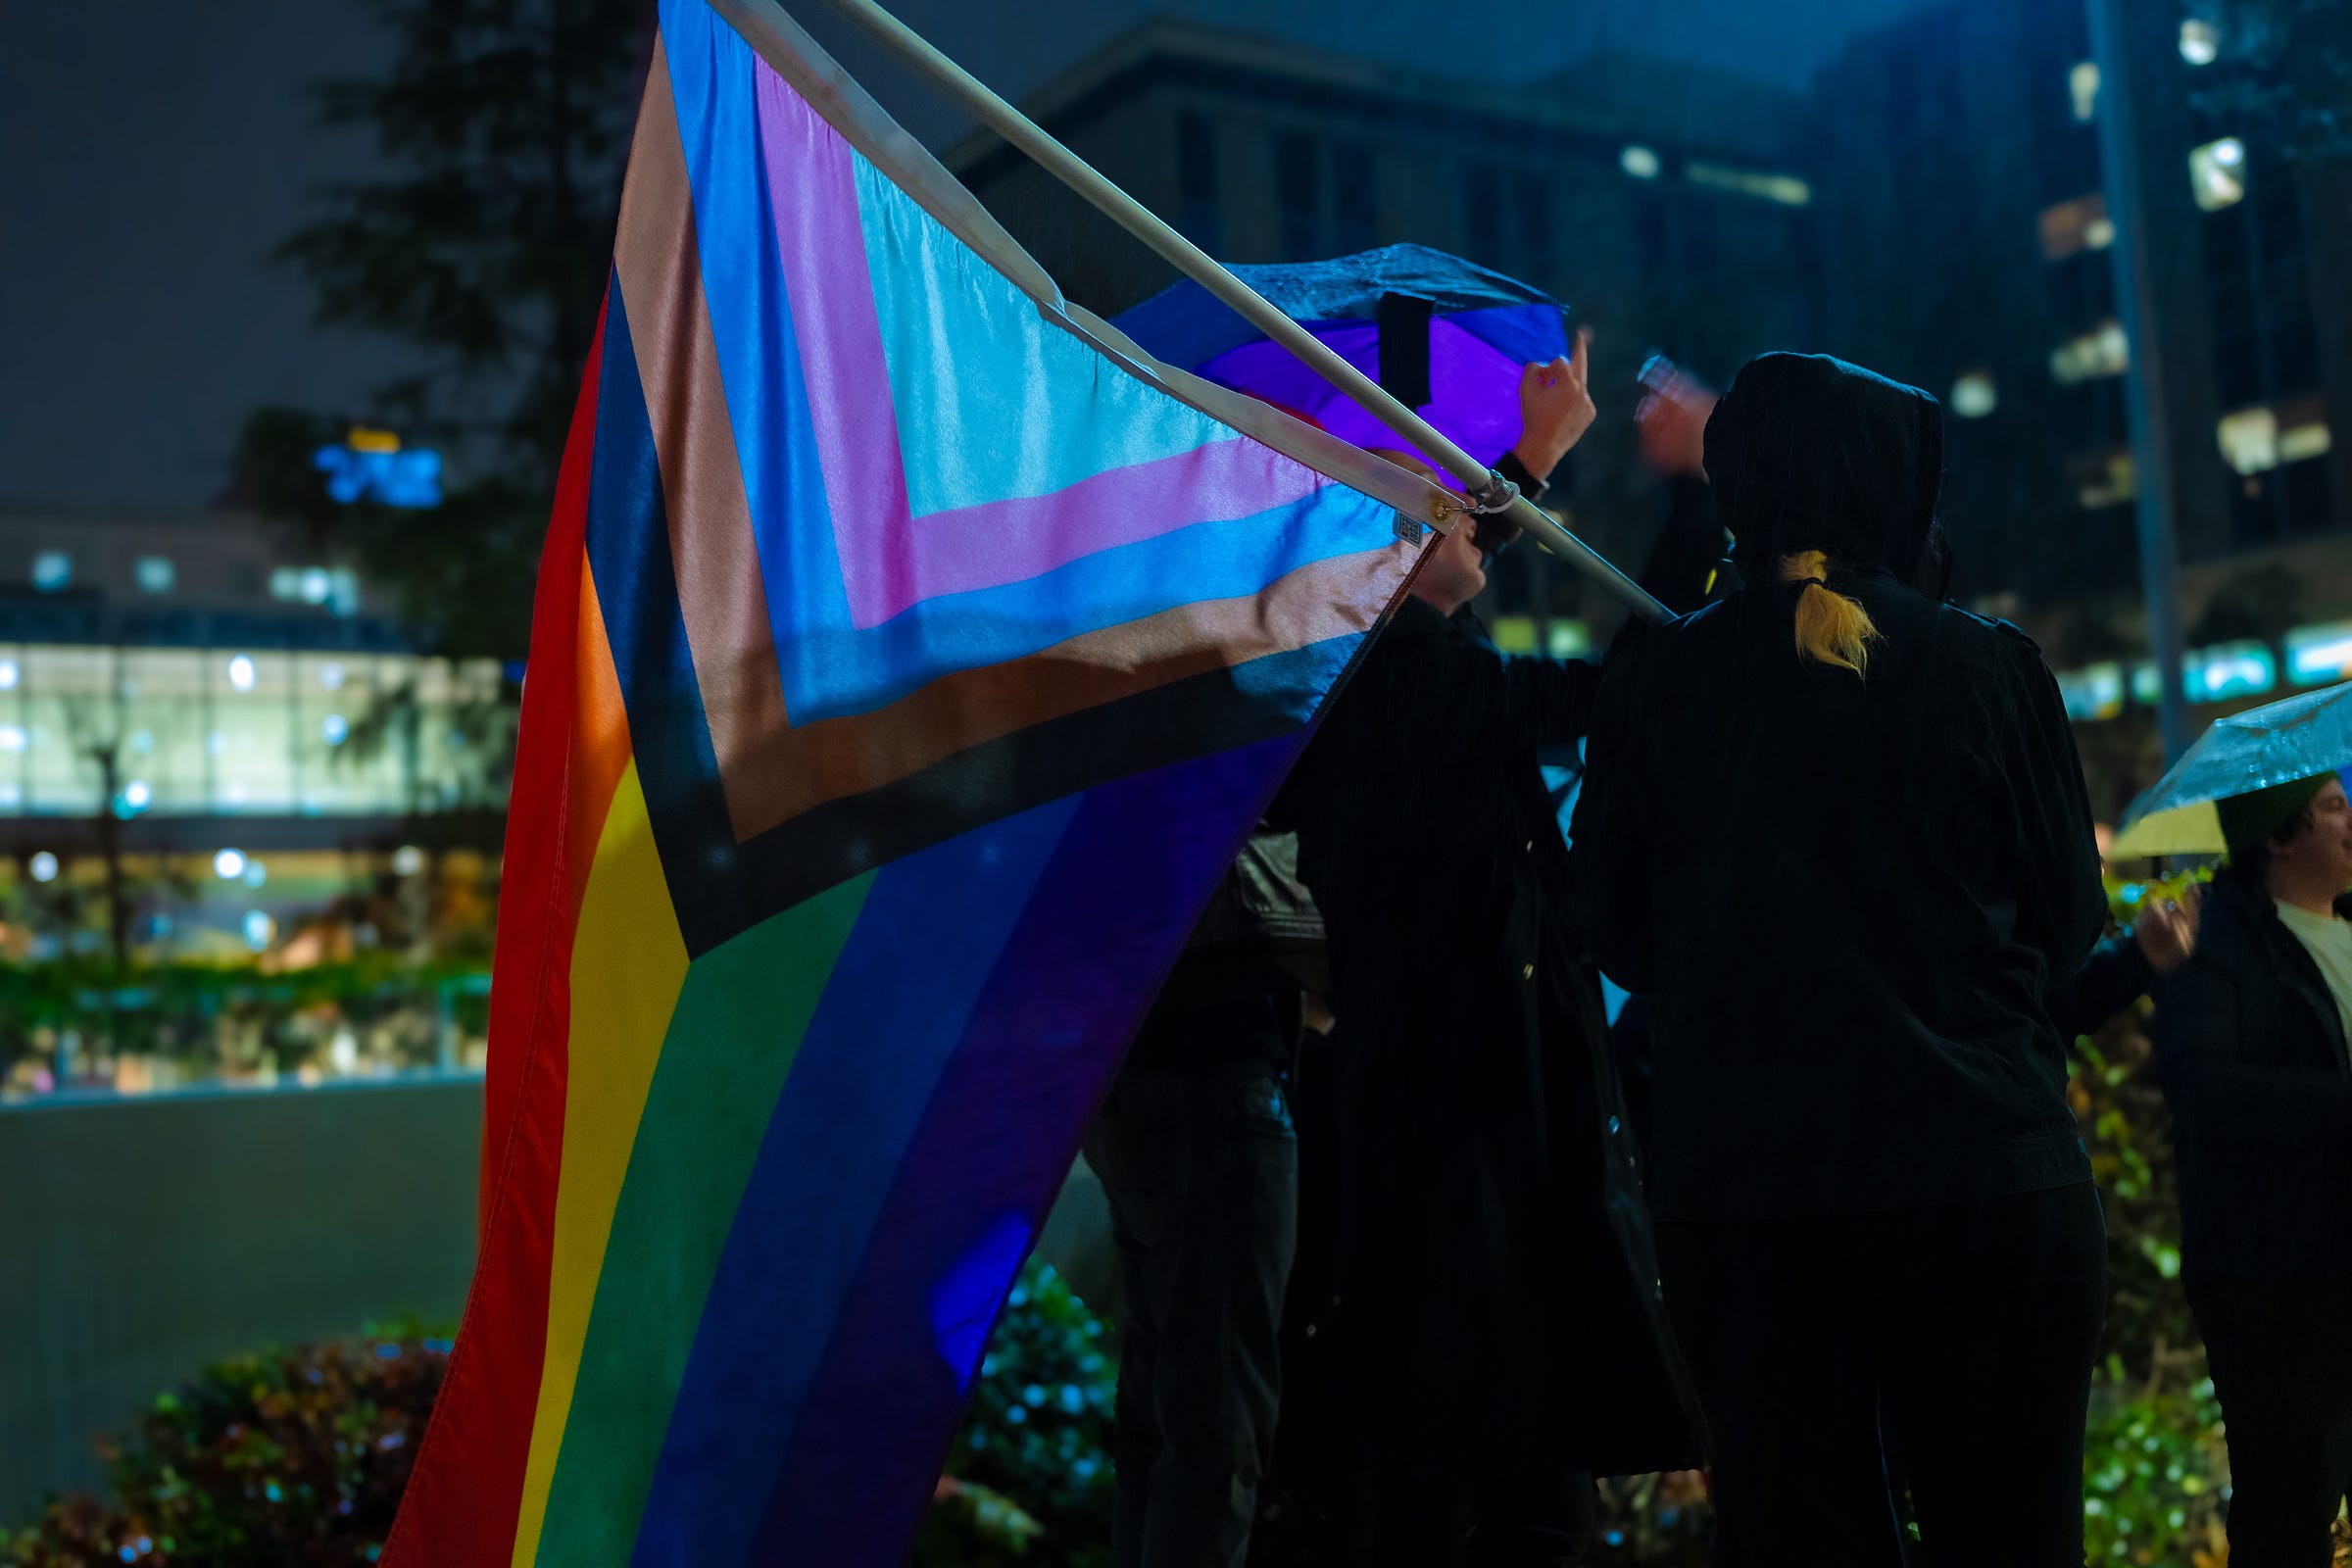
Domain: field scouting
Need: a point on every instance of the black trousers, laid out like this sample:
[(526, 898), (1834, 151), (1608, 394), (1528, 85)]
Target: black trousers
[(1964, 1334), (1198, 1157), (2281, 1361)]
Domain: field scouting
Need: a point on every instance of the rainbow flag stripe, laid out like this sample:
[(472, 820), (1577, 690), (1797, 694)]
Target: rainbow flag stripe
[(906, 667)]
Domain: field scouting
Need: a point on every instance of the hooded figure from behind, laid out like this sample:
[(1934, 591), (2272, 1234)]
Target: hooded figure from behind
[(1837, 833)]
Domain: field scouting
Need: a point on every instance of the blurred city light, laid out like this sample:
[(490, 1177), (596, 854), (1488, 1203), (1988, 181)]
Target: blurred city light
[(2200, 42), (229, 864), (241, 672), (44, 867), (2217, 173), (1639, 162), (2318, 656), (1974, 396)]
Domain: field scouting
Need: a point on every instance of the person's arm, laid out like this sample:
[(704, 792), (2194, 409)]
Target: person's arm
[(1470, 698), (2220, 1098), (2116, 973), (1609, 878), (2123, 969)]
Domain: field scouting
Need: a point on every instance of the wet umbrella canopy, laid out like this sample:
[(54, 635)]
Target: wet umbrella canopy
[(2239, 755), (1441, 336)]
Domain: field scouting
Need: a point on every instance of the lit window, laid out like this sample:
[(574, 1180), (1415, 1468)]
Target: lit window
[(2259, 439), (2103, 478), (2093, 693), (2082, 82), (52, 571), (2319, 655), (1787, 189), (156, 575), (2200, 42), (2301, 442), (1974, 396), (2071, 227), (1571, 639), (2231, 669), (1639, 162), (2217, 173), (1515, 634), (2250, 440), (2104, 352)]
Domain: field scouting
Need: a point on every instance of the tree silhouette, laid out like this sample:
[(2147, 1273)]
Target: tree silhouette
[(504, 126)]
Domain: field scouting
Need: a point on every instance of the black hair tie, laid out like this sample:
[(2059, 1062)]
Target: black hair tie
[(1802, 583)]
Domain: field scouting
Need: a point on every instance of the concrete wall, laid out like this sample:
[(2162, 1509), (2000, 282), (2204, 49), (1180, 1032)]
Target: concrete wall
[(141, 1238)]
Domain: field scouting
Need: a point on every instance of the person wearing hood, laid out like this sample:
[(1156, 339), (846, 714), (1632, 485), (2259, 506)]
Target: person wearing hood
[(1835, 829), (2250, 1048)]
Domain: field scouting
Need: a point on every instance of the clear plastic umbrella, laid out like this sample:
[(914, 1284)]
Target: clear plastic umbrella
[(2241, 754)]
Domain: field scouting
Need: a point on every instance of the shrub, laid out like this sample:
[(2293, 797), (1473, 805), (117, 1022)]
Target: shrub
[(285, 1459)]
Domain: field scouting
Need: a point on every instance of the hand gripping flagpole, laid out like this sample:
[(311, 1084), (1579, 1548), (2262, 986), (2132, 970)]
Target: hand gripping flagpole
[(1488, 490)]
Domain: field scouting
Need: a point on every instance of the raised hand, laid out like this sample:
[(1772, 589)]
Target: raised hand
[(1555, 408)]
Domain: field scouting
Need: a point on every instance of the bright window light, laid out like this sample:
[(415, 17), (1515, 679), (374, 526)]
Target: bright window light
[(2217, 173), (2107, 351), (2303, 442), (1787, 189), (1973, 394), (2069, 229), (2249, 439), (2093, 693), (2083, 84), (2319, 655)]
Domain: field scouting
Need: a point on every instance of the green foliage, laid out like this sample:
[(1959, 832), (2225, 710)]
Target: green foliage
[(2155, 1472), (174, 1010), (1031, 1469), (286, 1459)]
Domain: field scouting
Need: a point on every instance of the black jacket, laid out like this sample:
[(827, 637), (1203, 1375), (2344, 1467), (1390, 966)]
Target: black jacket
[(1494, 1257), (2251, 1053), (1846, 901)]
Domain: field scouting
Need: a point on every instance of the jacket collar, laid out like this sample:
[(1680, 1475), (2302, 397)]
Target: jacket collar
[(2295, 965)]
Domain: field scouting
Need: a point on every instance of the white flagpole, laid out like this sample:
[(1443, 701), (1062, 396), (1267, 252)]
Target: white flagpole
[(1198, 265)]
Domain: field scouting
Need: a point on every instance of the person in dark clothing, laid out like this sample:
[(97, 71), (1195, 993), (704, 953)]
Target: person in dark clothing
[(1492, 1336), (2250, 1048), (1196, 1153), (1836, 831)]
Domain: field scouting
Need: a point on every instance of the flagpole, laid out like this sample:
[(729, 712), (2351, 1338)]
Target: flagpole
[(1198, 265)]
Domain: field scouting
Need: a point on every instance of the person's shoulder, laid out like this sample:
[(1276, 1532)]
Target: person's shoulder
[(1989, 638)]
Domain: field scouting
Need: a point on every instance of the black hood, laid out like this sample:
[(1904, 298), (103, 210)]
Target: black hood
[(1806, 452)]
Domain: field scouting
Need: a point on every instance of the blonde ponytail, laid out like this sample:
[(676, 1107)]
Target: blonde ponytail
[(1830, 628)]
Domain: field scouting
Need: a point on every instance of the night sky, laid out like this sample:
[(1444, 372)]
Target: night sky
[(150, 154)]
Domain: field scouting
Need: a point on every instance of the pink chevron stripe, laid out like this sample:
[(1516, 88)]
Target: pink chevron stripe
[(888, 562)]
